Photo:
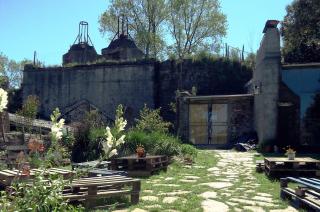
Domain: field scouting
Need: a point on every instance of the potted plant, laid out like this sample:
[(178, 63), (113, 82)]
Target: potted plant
[(140, 151), (290, 152)]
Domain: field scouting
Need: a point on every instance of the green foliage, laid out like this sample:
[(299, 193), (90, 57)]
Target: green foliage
[(150, 120), (300, 30), (29, 111), (146, 23), (154, 143), (193, 25), (43, 194), (189, 151), (12, 70)]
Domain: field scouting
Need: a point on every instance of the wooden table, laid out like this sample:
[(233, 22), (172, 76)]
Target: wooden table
[(140, 166), (90, 189), (7, 176), (302, 166)]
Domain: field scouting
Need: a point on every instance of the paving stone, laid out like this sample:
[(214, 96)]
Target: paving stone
[(210, 205), (243, 201), (168, 178), (122, 210), (138, 210), (254, 208), (232, 203), (150, 198), (261, 198), (264, 194), (208, 195), (188, 181), (147, 191), (153, 206), (218, 184), (169, 200), (168, 185), (174, 193), (213, 169)]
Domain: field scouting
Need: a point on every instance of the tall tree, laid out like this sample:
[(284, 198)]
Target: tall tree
[(145, 18), (301, 32), (12, 70), (195, 25)]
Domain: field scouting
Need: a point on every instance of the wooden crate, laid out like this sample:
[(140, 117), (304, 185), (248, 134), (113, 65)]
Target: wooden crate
[(7, 176), (140, 166), (305, 196), (92, 188)]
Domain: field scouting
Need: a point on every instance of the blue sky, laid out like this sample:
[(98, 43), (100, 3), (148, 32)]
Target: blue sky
[(51, 26)]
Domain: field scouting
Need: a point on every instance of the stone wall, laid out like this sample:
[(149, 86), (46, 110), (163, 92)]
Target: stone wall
[(102, 86), (266, 80), (209, 77)]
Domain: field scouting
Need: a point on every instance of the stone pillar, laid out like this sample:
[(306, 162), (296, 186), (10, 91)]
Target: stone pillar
[(266, 80)]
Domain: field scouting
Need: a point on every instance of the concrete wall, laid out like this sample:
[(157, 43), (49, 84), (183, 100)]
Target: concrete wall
[(304, 80), (266, 80), (105, 87)]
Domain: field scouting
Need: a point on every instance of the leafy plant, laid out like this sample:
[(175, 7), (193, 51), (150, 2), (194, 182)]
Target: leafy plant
[(154, 143), (29, 111), (41, 194), (188, 151), (150, 120)]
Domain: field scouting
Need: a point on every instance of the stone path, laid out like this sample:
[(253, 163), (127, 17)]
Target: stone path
[(229, 186), (234, 179)]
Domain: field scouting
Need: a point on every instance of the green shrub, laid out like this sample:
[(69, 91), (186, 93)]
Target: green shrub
[(154, 143), (188, 151), (41, 195), (150, 120)]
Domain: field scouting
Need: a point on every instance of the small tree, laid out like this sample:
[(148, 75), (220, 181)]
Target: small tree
[(300, 30), (150, 120), (29, 111)]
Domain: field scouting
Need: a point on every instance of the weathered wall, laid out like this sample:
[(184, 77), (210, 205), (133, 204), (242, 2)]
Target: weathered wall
[(105, 87), (266, 80), (240, 114), (210, 77)]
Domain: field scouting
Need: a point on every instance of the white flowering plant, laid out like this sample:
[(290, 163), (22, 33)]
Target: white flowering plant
[(56, 151), (3, 99), (114, 137)]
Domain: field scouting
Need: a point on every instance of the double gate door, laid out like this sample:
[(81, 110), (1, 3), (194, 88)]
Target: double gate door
[(208, 123)]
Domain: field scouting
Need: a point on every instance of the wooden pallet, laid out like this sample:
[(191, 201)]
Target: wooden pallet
[(306, 195), (92, 188), (7, 176), (302, 166), (140, 166)]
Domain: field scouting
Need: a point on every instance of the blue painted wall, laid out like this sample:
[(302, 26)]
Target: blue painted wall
[(305, 82)]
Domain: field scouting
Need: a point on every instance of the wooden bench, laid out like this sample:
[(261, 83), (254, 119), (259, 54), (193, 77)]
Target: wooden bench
[(7, 176), (92, 188), (306, 195)]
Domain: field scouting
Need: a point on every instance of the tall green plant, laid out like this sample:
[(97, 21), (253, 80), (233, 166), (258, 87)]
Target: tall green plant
[(150, 120), (29, 111)]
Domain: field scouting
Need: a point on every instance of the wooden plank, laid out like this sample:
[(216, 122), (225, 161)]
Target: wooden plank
[(310, 181), (16, 148), (314, 187), (100, 181), (99, 195), (124, 182)]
